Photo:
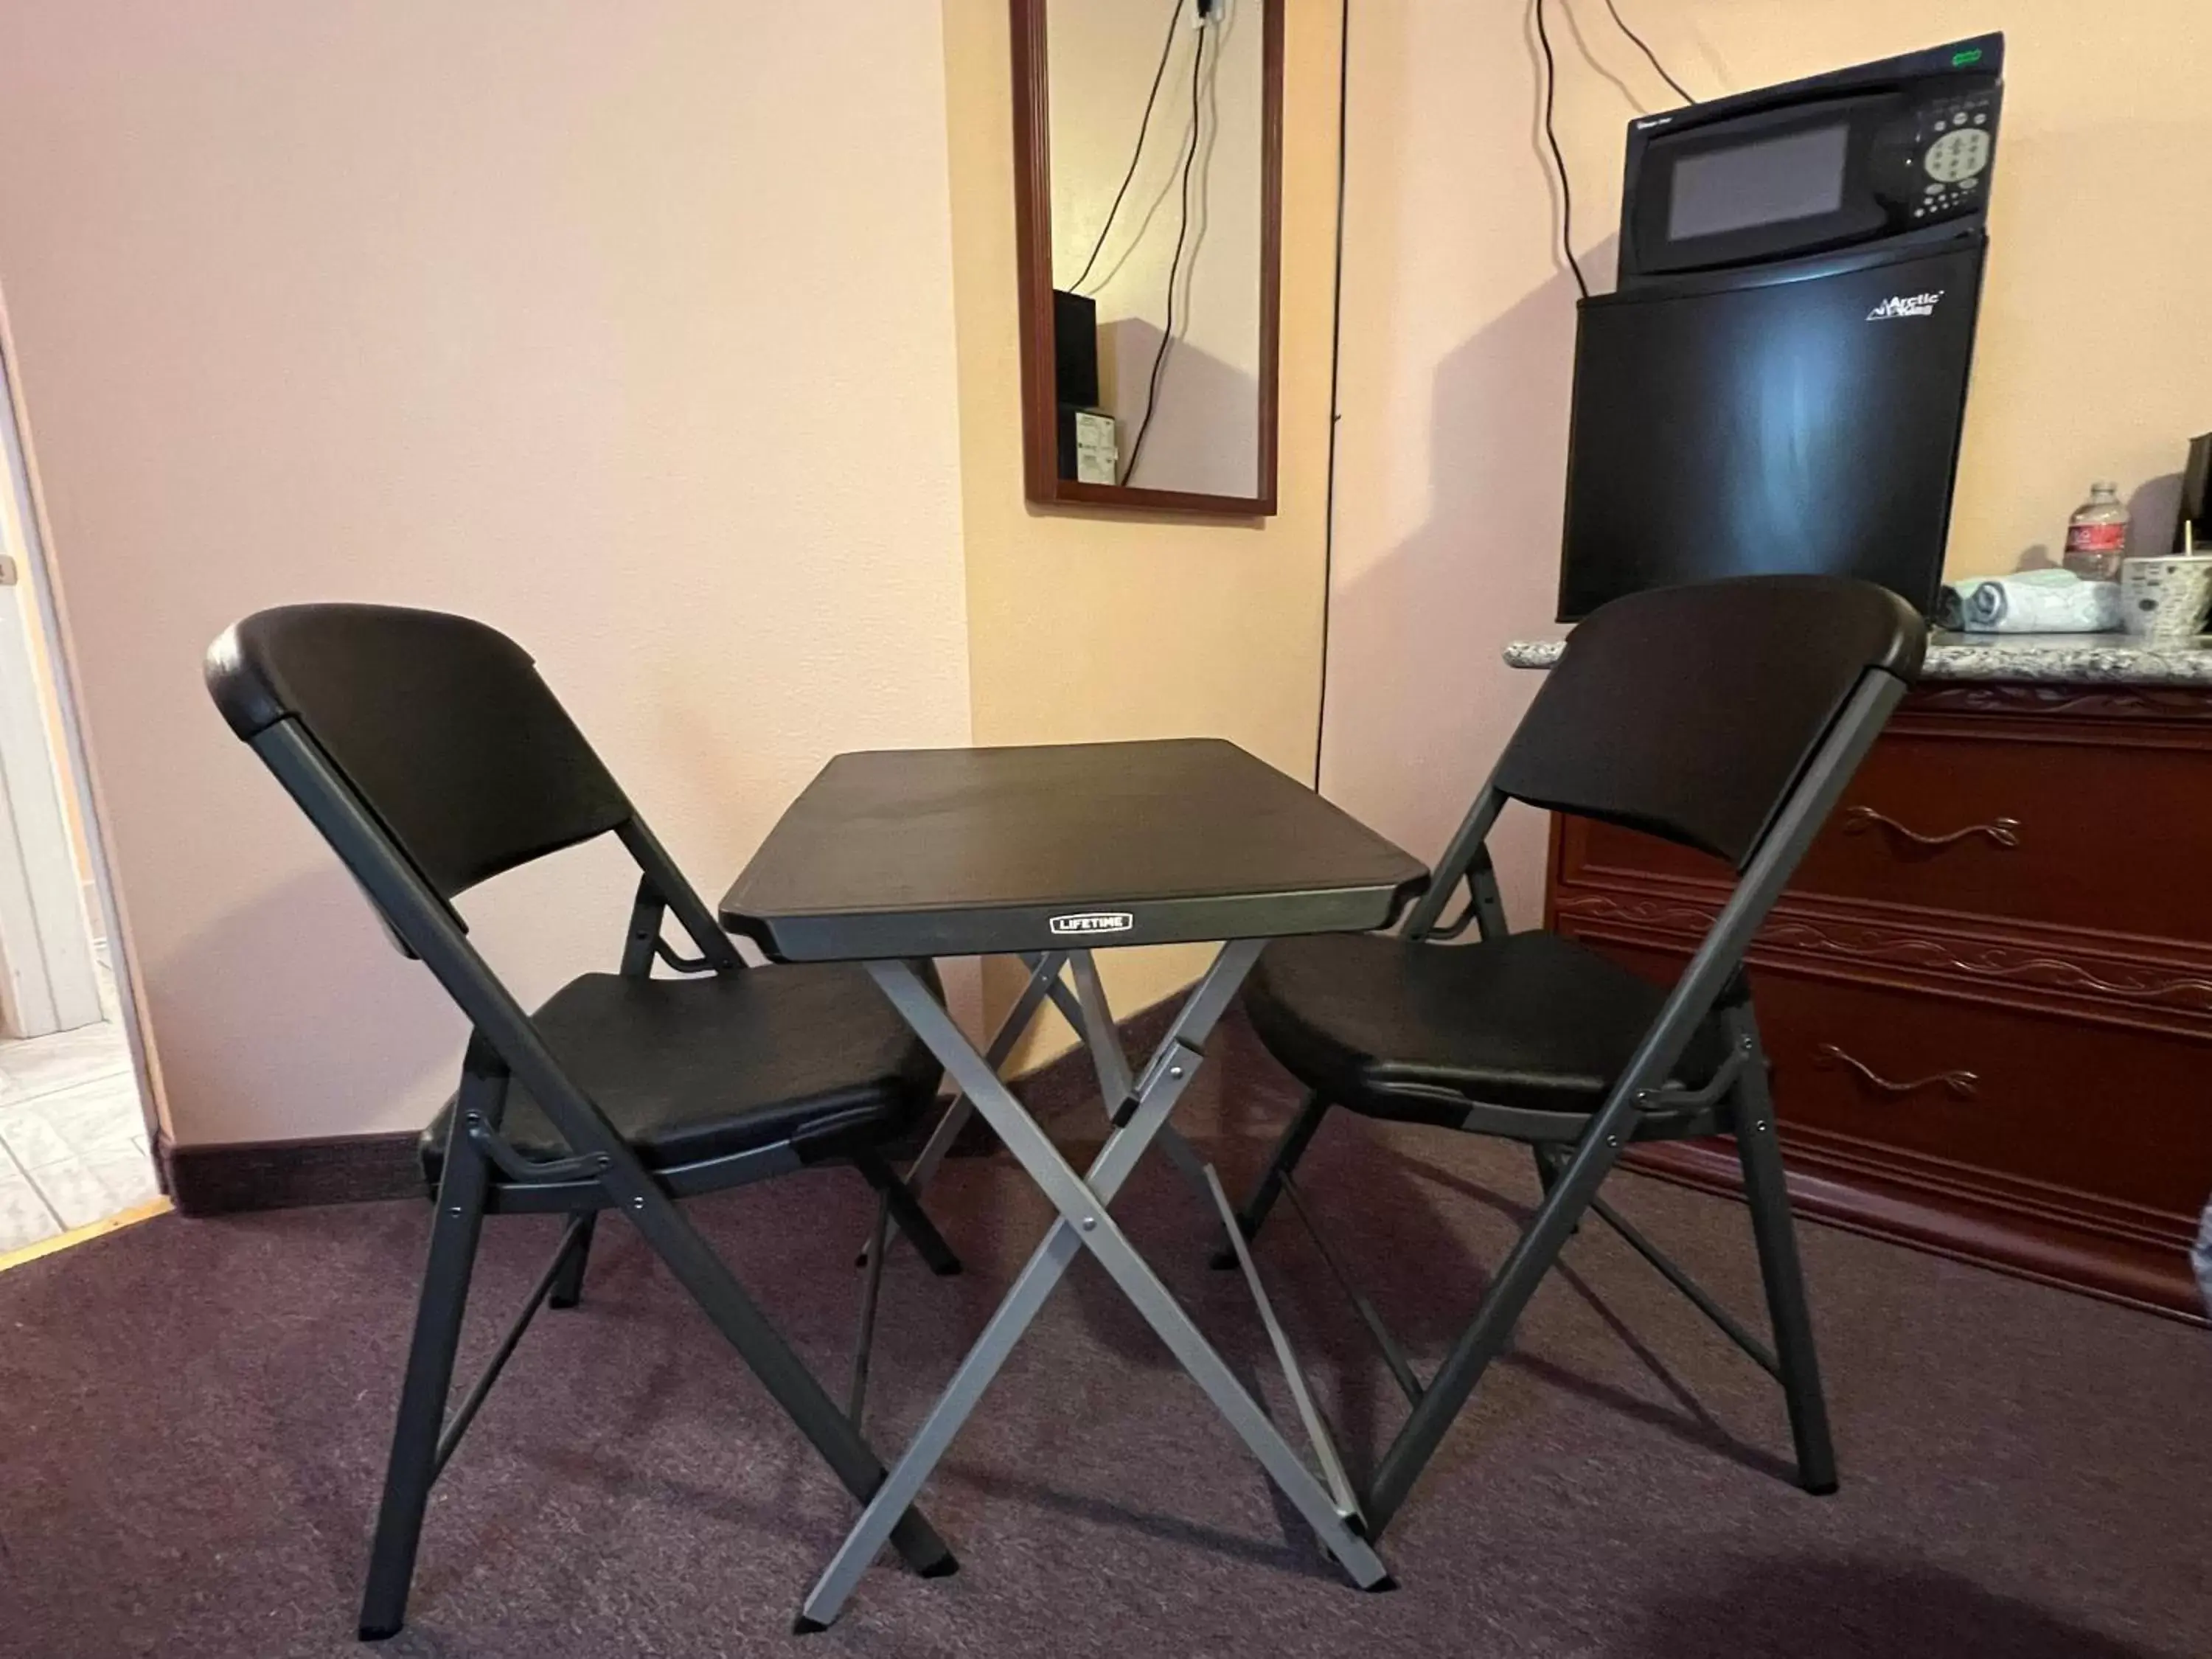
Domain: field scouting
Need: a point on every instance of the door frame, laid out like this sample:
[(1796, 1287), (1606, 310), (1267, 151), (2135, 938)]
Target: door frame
[(48, 980), (24, 504)]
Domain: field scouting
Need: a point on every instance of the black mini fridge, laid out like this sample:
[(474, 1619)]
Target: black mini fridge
[(1775, 422)]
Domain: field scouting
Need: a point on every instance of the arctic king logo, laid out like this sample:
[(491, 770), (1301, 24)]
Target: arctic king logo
[(1905, 304)]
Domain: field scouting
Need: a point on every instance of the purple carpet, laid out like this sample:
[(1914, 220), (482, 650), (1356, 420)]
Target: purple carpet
[(193, 1416)]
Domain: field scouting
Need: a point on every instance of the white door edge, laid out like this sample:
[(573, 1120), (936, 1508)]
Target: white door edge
[(48, 979)]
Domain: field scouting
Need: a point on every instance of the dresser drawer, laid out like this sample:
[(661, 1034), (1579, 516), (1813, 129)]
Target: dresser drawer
[(2112, 1112), (2123, 1115), (2115, 838)]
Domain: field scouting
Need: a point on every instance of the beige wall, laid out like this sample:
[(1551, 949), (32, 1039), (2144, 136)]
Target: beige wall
[(2092, 359), (1094, 625), (626, 327)]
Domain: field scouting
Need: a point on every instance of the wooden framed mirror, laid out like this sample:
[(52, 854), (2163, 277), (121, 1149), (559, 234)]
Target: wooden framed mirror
[(1148, 173)]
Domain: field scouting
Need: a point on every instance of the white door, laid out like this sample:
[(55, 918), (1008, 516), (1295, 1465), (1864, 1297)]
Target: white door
[(48, 981)]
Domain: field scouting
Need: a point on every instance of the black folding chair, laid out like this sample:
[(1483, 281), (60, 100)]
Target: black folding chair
[(432, 757), (1727, 717)]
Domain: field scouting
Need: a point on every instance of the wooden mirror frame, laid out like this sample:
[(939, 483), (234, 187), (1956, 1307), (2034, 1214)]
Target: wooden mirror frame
[(1033, 260)]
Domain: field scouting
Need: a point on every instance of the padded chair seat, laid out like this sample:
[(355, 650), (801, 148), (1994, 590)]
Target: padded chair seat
[(702, 1067), (1533, 1021)]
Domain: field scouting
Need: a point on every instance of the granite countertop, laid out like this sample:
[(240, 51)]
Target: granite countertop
[(2060, 658)]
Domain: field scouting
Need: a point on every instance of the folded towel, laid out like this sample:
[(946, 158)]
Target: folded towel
[(2031, 602)]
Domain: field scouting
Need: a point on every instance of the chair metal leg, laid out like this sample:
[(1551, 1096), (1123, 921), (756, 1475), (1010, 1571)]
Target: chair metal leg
[(1548, 1161), (906, 1212), (1766, 1189), (864, 1341), (414, 1463), (472, 1402), (780, 1372), (569, 1283), (1531, 1258), (1288, 1151), (1694, 1293), (1394, 1356)]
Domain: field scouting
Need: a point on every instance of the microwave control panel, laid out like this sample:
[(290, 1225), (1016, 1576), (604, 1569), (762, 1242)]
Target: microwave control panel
[(1934, 164)]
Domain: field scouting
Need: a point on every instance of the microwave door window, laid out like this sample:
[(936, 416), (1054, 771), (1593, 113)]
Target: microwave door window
[(1769, 181)]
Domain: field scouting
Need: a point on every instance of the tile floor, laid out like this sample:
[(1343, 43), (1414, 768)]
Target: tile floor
[(72, 1137)]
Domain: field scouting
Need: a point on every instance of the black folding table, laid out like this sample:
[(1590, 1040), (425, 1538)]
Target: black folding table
[(1049, 853)]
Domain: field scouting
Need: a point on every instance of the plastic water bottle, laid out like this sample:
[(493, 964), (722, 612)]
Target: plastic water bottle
[(2097, 535)]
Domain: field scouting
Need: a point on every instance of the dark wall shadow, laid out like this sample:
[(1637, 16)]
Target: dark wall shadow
[(2155, 515), (1204, 430), (1830, 1610), (1419, 700)]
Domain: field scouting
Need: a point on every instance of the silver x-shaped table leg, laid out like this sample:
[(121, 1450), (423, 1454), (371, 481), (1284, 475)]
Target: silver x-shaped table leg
[(1087, 1013), (1044, 981), (1084, 1223), (1093, 1020)]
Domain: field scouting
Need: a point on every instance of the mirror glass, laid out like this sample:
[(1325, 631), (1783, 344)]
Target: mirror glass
[(1157, 141)]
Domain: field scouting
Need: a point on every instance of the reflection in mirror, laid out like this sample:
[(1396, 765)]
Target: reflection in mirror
[(1157, 146)]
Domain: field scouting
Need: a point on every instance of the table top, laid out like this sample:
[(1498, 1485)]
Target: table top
[(980, 851)]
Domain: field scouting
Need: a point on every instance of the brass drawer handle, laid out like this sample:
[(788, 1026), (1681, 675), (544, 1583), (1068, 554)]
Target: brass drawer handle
[(2005, 832), (1961, 1083)]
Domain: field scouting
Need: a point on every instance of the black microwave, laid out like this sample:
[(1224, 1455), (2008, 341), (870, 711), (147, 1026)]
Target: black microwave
[(1895, 150)]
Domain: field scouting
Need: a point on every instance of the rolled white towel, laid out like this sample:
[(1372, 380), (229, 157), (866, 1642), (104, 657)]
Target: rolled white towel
[(2036, 602)]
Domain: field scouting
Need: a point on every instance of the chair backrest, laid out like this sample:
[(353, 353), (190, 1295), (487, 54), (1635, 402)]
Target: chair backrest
[(440, 724), (1691, 712)]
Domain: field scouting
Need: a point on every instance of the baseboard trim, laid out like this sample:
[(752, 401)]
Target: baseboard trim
[(223, 1178), (2150, 1279)]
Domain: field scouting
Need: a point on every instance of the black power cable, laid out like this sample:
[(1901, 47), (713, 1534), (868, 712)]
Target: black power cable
[(1551, 137), (1175, 263), (1143, 126), (1335, 376), (1679, 90)]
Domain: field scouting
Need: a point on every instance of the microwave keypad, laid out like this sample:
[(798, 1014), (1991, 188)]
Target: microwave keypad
[(1959, 155), (1952, 149)]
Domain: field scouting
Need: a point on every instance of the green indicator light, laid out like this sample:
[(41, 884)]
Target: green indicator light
[(1960, 59)]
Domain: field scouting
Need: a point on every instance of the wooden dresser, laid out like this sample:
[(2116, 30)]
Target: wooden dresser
[(1988, 995)]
